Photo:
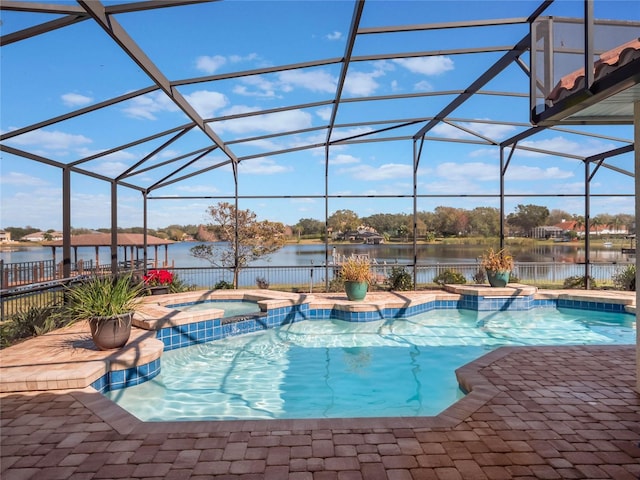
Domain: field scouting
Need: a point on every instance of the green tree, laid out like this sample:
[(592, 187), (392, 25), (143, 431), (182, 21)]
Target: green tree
[(18, 232), (595, 225), (309, 226), (252, 239), (557, 216), (624, 219), (528, 217), (389, 223), (343, 220), (428, 224), (580, 223), (175, 232), (451, 221), (484, 221)]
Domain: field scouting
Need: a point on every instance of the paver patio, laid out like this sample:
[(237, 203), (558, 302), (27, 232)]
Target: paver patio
[(534, 412)]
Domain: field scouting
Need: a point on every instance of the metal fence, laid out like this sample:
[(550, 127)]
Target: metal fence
[(38, 295), (16, 297), (313, 278), (28, 273)]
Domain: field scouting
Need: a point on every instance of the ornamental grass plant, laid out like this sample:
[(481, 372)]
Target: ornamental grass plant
[(500, 261), (102, 297), (356, 269)]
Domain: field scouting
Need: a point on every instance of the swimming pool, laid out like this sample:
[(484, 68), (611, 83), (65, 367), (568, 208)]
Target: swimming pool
[(333, 368)]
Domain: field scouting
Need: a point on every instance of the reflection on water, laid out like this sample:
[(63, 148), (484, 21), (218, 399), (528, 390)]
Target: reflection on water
[(315, 254)]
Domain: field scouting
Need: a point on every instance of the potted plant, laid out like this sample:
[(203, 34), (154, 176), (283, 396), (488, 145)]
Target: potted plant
[(356, 274), (158, 282), (108, 304), (498, 266)]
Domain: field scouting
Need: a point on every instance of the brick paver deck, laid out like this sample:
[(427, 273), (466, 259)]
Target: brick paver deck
[(533, 412), (544, 412)]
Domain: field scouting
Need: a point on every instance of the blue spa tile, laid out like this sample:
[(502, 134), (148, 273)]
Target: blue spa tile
[(119, 379), (101, 384), (116, 377)]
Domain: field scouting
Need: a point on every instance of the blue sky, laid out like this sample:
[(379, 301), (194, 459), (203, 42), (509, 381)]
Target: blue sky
[(74, 67)]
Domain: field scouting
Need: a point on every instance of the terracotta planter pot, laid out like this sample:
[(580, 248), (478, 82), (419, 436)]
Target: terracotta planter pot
[(110, 333), (498, 279), (356, 291)]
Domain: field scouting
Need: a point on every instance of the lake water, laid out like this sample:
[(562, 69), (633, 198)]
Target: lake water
[(307, 254)]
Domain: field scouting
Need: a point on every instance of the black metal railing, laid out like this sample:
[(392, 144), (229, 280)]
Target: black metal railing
[(18, 296), (28, 273)]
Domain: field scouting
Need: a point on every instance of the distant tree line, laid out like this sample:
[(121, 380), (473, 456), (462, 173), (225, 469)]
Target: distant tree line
[(442, 222), (457, 222)]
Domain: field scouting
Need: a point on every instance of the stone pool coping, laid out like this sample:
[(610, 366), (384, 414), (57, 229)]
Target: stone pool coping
[(67, 357)]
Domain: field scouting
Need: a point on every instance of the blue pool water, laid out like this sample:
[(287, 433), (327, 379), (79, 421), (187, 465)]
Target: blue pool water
[(333, 369), (231, 307)]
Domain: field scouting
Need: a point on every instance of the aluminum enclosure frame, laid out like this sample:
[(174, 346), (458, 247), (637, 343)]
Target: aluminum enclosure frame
[(103, 16)]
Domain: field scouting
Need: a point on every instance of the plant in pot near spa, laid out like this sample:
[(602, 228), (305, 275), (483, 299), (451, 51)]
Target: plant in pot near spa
[(158, 282), (107, 303), (356, 274), (498, 266)]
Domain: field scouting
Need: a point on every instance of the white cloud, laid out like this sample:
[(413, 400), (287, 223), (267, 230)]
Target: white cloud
[(492, 131), (483, 172), (315, 81), (584, 148), (334, 36), (119, 155), (467, 185), (260, 87), (388, 188), (146, 106), (478, 171), (524, 172), (493, 152), (261, 166), (245, 92), (40, 208), (75, 99), (573, 187), (364, 83), (109, 168), (342, 159), (264, 145), (210, 64), (383, 172), (449, 131), (339, 134), (21, 180), (423, 86), (50, 140), (270, 122), (207, 102), (239, 58), (195, 189), (426, 65), (361, 84), (169, 153), (324, 113)]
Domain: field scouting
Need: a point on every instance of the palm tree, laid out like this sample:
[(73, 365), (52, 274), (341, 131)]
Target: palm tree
[(578, 222), (595, 223)]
